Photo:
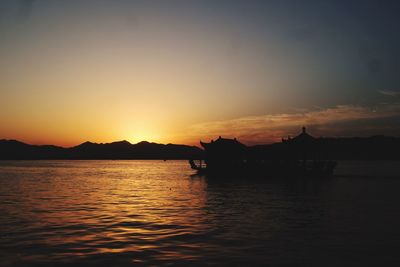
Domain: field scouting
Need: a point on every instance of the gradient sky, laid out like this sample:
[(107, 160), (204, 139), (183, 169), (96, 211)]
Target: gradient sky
[(180, 71)]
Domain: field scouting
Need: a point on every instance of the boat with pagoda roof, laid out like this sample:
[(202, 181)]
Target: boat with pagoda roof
[(297, 156)]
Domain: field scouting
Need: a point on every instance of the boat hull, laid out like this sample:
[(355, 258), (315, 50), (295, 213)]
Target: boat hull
[(272, 169)]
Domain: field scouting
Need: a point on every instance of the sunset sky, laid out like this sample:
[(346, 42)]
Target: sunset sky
[(181, 71)]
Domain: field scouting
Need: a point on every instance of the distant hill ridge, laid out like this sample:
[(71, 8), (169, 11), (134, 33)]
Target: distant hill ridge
[(354, 148), (13, 149)]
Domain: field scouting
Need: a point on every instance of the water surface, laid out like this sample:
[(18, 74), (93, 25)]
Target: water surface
[(124, 213)]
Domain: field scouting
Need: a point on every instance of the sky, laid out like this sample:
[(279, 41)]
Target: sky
[(184, 71)]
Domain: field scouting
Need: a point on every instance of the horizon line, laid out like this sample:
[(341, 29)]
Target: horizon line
[(150, 142)]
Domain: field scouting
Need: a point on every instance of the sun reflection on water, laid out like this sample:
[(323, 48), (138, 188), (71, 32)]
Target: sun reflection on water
[(123, 213), (111, 207)]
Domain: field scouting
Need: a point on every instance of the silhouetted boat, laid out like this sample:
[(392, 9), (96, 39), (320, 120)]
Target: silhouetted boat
[(310, 169), (296, 156)]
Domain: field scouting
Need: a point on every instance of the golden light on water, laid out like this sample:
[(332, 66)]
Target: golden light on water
[(119, 206)]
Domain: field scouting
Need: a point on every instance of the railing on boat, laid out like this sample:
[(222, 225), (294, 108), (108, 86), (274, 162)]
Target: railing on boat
[(194, 166)]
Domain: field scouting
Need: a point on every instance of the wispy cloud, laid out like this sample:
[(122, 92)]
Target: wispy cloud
[(270, 128), (389, 93)]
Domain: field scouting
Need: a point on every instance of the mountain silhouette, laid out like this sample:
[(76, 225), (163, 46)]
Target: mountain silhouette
[(12, 149), (355, 148)]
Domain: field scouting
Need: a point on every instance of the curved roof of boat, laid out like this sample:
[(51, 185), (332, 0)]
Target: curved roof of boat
[(223, 143), (302, 138)]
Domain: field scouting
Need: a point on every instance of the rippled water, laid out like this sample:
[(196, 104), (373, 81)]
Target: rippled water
[(123, 213)]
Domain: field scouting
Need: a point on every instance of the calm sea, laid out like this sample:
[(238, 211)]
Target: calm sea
[(124, 213)]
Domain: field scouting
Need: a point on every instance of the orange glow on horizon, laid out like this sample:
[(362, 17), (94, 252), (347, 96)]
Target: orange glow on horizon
[(249, 130), (169, 76)]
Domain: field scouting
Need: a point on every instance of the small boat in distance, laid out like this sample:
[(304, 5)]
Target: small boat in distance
[(298, 156)]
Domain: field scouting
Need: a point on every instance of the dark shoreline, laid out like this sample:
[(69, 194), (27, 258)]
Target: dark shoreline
[(355, 148)]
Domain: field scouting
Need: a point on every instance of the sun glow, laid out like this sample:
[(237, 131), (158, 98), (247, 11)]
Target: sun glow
[(137, 71)]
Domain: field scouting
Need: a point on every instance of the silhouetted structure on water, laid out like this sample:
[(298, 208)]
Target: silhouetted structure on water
[(298, 155)]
